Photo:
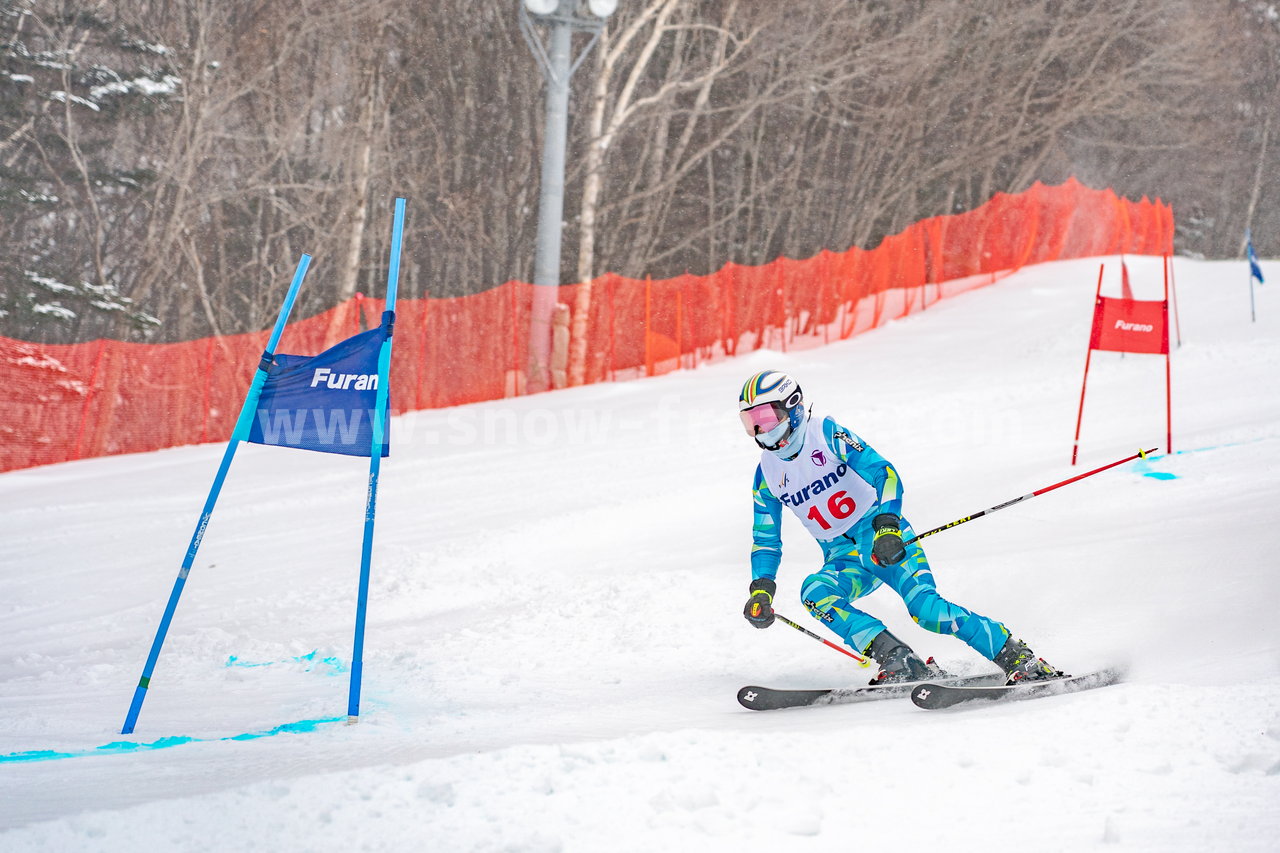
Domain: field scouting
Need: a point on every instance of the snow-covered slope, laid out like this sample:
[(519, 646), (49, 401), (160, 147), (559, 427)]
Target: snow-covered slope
[(555, 639)]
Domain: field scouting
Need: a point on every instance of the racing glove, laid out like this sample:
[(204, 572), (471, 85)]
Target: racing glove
[(886, 547), (759, 609)]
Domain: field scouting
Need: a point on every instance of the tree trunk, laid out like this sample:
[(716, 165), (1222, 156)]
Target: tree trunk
[(1257, 185), (362, 158)]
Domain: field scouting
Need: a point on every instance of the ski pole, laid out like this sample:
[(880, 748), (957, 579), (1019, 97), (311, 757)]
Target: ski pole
[(859, 658), (1140, 454)]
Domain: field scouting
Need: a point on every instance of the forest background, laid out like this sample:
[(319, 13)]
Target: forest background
[(163, 163)]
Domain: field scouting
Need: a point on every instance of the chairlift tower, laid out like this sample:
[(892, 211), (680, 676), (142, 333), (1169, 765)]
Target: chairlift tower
[(559, 20)]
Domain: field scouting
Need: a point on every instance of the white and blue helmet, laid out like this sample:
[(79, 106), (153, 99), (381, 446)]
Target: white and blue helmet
[(771, 406)]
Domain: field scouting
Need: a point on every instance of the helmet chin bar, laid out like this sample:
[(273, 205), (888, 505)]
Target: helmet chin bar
[(789, 445), (781, 443)]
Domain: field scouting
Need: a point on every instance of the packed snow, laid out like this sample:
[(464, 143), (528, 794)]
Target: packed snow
[(555, 635)]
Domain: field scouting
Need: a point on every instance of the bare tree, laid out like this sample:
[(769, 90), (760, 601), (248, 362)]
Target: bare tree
[(164, 162)]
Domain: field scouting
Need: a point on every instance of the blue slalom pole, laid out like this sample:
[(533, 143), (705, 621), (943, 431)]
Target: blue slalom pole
[(1253, 311), (375, 461), (243, 424)]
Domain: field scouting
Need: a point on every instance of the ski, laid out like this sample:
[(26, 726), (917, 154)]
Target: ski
[(936, 695), (771, 699)]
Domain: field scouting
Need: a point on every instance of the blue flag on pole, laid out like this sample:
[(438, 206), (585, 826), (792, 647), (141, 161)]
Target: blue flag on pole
[(1254, 269), (323, 402)]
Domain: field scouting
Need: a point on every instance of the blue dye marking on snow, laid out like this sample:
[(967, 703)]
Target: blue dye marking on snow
[(336, 665), (117, 747), (300, 727), (1143, 466)]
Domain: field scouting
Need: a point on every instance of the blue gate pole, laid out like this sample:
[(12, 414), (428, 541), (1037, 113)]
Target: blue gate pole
[(241, 431), (375, 461), (1253, 311)]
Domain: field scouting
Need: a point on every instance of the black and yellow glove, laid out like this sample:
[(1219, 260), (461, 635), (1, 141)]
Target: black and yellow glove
[(886, 547), (759, 609)]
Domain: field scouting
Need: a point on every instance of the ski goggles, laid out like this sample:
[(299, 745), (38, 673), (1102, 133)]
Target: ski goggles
[(764, 419)]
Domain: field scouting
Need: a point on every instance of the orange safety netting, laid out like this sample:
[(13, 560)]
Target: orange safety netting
[(60, 403)]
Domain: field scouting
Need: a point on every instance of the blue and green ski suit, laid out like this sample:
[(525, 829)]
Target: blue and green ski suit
[(836, 485)]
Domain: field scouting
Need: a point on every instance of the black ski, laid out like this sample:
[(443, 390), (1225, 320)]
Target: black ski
[(771, 699), (933, 696)]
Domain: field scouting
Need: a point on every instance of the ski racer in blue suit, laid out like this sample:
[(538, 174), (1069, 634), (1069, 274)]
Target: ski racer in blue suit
[(849, 498)]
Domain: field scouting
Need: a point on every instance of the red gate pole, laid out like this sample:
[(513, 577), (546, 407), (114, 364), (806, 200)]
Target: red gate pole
[(1168, 376), (1097, 298), (1168, 401)]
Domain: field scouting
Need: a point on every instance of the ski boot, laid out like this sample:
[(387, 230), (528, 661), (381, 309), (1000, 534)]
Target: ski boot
[(898, 663), (1021, 665)]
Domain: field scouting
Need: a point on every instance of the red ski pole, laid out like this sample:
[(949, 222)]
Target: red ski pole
[(803, 630), (1140, 454)]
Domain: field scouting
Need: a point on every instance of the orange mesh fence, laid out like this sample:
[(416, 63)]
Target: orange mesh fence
[(59, 403)]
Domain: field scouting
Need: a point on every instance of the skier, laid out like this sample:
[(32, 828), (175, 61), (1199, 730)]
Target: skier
[(850, 499)]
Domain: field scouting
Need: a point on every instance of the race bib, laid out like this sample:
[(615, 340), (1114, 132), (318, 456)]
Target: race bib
[(824, 493)]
